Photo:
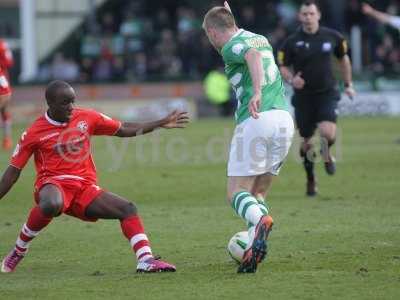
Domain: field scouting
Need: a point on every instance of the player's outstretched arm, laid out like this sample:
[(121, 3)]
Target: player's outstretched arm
[(380, 16), (10, 177), (226, 5), (176, 119)]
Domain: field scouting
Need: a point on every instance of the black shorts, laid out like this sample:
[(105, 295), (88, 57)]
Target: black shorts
[(310, 110)]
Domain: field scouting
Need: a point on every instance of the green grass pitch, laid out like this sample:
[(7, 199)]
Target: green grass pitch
[(343, 244)]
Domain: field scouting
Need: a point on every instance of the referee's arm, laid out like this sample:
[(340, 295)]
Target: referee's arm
[(345, 69), (284, 65), (345, 66), (294, 80), (286, 73)]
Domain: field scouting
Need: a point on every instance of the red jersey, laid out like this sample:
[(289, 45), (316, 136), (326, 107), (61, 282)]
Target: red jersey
[(6, 57), (6, 61), (63, 150)]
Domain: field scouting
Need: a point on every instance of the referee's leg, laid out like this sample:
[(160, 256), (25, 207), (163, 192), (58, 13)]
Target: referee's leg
[(327, 117), (306, 124)]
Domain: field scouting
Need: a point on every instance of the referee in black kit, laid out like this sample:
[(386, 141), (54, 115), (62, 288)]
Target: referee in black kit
[(309, 52)]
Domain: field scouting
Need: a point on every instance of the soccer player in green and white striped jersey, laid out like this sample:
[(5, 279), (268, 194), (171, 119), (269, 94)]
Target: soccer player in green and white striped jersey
[(264, 127)]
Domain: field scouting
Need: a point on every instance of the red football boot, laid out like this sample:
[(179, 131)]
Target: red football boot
[(258, 250)]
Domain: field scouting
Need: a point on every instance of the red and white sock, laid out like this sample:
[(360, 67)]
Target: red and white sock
[(36, 222), (133, 230)]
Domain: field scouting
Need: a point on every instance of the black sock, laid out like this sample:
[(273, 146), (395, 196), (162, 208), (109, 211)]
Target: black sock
[(308, 162), (331, 143)]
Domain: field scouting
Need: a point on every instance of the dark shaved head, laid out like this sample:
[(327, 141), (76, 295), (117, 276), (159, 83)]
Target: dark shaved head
[(54, 88), (59, 97)]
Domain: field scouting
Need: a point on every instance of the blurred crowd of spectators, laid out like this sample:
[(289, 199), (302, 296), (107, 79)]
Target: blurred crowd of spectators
[(381, 43), (141, 40)]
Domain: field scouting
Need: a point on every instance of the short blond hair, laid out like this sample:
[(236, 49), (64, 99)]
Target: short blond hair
[(219, 18)]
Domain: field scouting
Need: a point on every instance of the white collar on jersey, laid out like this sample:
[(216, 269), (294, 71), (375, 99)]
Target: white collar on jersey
[(53, 122)]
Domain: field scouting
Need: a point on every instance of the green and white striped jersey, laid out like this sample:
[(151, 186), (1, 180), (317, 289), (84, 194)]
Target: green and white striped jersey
[(233, 54)]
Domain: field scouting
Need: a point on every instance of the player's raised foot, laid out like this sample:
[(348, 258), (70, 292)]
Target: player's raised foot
[(311, 188), (330, 165), (7, 143), (154, 265), (11, 261), (258, 250)]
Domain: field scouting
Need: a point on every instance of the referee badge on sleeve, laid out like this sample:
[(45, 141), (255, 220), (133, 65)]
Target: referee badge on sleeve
[(344, 46), (281, 57)]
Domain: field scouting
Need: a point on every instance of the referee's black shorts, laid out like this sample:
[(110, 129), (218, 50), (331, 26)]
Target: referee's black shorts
[(312, 109)]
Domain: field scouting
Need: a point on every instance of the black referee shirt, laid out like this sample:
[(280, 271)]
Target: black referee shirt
[(311, 54)]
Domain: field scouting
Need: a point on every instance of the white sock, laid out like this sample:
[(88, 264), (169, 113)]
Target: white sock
[(247, 207)]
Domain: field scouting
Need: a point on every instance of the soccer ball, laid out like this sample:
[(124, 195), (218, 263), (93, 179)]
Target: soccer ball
[(237, 244)]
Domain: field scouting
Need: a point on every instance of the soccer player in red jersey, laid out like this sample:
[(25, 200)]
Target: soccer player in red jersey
[(66, 176), (6, 61)]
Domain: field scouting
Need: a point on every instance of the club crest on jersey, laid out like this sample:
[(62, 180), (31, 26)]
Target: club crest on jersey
[(82, 126), (237, 48)]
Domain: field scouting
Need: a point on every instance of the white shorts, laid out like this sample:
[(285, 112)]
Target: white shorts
[(261, 145)]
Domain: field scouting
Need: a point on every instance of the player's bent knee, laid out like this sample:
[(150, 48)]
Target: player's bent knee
[(129, 209), (328, 138), (51, 207), (50, 201), (306, 146), (328, 133)]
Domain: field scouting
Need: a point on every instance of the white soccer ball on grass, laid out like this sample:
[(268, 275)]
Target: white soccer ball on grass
[(237, 245)]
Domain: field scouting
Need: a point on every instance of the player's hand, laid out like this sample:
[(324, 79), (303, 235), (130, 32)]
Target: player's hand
[(367, 9), (226, 5), (176, 119), (298, 81), (254, 105), (350, 92)]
